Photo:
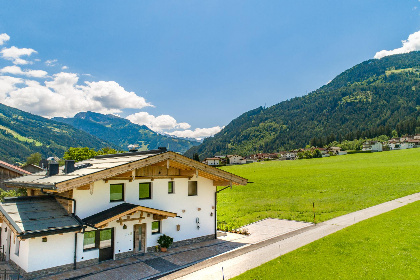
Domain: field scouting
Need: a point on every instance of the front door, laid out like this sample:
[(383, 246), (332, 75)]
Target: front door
[(106, 244), (139, 238)]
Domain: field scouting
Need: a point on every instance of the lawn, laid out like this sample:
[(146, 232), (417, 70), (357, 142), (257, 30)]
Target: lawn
[(383, 247), (336, 185)]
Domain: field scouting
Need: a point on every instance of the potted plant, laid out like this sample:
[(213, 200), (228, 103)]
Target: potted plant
[(164, 242)]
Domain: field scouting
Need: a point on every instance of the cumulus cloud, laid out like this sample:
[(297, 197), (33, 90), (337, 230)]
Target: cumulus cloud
[(198, 133), (64, 97), (14, 54), (8, 84), (3, 38), (51, 62), (409, 45), (64, 68), (159, 123), (16, 70)]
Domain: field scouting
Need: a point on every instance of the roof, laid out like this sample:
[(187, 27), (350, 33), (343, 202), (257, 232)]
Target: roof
[(14, 168), (112, 214), (32, 216), (212, 158), (107, 166)]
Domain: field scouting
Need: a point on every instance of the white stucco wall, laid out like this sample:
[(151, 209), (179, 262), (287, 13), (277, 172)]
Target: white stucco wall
[(179, 202), (58, 250)]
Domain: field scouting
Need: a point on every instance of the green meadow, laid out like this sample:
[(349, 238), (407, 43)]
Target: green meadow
[(383, 247), (335, 185)]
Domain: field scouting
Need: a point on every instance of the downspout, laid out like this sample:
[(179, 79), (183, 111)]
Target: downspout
[(215, 207), (74, 215)]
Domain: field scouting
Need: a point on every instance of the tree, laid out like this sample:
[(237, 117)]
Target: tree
[(394, 134), (79, 154), (196, 157), (34, 159), (317, 154)]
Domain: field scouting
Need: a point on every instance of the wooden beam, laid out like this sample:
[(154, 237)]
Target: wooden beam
[(221, 183), (84, 188), (91, 188)]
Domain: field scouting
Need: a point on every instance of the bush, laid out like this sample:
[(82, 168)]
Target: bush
[(165, 241)]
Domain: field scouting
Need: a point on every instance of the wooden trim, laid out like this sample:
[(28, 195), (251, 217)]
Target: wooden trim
[(118, 217), (171, 156)]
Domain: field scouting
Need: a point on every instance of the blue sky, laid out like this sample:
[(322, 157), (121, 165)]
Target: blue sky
[(187, 67)]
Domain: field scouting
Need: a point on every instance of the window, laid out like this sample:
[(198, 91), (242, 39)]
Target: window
[(171, 185), (105, 238), (89, 240), (17, 246), (116, 192), (155, 227), (145, 190), (192, 188)]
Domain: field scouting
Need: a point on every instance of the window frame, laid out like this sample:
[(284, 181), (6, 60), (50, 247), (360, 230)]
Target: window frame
[(173, 187), (150, 190), (193, 185), (159, 230), (122, 192), (95, 241)]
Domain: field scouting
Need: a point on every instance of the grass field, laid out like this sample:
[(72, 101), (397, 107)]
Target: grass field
[(337, 185), (383, 247)]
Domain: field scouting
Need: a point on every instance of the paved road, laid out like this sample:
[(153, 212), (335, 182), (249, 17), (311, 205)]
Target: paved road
[(232, 266)]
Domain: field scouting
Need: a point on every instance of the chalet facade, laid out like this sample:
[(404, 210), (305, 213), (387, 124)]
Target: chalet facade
[(109, 207), (373, 146), (8, 171)]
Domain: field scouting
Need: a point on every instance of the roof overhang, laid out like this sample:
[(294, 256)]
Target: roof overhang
[(103, 218)]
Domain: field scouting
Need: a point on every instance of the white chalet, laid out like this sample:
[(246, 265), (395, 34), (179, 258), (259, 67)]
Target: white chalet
[(212, 161), (235, 159), (373, 146), (109, 207)]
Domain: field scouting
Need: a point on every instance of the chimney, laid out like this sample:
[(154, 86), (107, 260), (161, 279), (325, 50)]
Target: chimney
[(162, 149), (52, 169), (68, 166)]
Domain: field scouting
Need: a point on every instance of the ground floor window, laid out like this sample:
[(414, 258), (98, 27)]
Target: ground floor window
[(89, 240), (155, 227), (192, 188)]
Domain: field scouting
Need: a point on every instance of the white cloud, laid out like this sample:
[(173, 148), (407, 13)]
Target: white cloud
[(8, 84), (3, 38), (159, 123), (409, 45), (14, 54), (51, 62), (64, 68), (64, 97), (198, 133), (15, 70)]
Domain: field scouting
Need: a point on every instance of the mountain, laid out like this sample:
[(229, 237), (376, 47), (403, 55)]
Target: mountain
[(22, 134), (121, 132), (371, 98)]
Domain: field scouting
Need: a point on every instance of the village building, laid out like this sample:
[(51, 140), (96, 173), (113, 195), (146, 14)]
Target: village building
[(32, 168), (373, 146), (109, 207), (8, 171), (212, 161), (235, 159)]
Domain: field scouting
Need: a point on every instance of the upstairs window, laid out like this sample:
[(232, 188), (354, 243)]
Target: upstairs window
[(171, 186), (145, 190), (192, 188), (116, 192)]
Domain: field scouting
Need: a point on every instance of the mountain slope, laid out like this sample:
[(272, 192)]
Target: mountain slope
[(22, 134), (121, 132), (372, 97)]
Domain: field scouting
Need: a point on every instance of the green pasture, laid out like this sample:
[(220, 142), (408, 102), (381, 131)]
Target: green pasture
[(336, 185), (383, 247)]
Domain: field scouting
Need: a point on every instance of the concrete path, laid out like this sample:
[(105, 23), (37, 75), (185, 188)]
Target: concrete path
[(240, 260)]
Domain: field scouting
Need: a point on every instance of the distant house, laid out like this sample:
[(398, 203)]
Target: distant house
[(337, 151), (212, 161), (8, 171), (32, 168), (235, 159), (373, 146)]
